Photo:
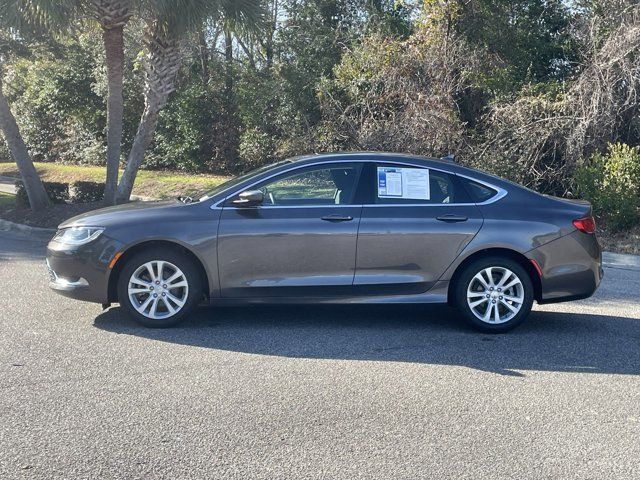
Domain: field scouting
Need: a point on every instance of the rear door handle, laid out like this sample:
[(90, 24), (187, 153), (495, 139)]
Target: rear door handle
[(337, 218), (451, 218)]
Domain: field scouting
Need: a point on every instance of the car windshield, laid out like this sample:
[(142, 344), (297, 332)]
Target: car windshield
[(241, 178)]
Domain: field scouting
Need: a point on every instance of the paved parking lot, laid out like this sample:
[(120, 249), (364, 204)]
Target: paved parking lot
[(314, 392)]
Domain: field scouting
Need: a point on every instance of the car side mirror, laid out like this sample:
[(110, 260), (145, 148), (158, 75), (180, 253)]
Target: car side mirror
[(249, 198)]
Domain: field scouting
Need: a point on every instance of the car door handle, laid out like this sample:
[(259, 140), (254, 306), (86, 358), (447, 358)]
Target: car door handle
[(451, 218), (337, 218)]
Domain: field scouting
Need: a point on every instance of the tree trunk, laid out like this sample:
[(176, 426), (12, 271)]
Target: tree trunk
[(162, 62), (143, 139), (114, 47), (271, 29), (204, 55), (231, 143), (38, 198), (228, 62)]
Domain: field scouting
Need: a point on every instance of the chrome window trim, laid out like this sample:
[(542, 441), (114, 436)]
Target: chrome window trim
[(500, 192)]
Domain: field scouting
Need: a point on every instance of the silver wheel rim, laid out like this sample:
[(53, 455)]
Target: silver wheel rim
[(158, 289), (495, 295)]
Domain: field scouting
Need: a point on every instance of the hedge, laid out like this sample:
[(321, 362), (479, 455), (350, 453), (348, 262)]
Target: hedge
[(57, 192), (85, 192)]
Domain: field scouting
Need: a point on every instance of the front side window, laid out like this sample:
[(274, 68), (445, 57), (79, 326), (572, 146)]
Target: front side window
[(400, 184), (241, 178), (327, 185)]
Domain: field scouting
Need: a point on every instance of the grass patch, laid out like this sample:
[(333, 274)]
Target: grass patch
[(7, 200), (148, 183)]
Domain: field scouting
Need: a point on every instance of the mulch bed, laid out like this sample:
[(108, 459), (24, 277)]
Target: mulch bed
[(48, 218)]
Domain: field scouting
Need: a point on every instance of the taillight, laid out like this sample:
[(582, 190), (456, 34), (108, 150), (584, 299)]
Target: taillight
[(585, 224)]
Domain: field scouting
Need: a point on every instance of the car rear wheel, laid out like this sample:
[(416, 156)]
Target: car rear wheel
[(159, 287), (494, 294)]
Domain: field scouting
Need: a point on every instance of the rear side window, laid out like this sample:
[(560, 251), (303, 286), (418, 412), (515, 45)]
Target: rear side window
[(401, 184), (478, 192)]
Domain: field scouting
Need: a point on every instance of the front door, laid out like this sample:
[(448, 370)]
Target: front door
[(301, 241), (415, 223)]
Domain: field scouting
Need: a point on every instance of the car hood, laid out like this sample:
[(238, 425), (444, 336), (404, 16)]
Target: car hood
[(130, 212)]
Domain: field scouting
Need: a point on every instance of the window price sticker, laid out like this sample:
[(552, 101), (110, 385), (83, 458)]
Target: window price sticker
[(409, 183)]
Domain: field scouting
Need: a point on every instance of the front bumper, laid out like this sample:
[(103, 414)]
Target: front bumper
[(65, 284), (82, 273)]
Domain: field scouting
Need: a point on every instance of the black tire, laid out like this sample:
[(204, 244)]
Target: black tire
[(193, 292), (464, 280)]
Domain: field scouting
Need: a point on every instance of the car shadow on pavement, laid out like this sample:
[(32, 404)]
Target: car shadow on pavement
[(548, 341)]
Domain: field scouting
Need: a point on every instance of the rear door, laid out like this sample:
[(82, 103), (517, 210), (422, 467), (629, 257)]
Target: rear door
[(415, 223), (300, 242)]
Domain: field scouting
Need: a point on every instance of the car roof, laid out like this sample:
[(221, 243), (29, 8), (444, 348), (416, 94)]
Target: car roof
[(368, 155)]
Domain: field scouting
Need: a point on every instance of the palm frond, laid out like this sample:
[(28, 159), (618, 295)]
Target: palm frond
[(37, 16), (176, 17), (245, 17)]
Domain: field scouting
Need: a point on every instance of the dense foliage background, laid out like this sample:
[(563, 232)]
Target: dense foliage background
[(541, 91)]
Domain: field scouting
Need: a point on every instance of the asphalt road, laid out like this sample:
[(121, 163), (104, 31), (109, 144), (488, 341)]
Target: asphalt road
[(326, 392)]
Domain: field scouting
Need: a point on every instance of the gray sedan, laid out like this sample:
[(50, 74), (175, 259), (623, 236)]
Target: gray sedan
[(347, 227)]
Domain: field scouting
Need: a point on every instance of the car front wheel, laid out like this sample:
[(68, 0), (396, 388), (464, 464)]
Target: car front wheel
[(494, 294), (159, 287)]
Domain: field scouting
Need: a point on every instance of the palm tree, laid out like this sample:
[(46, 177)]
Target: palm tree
[(112, 16), (162, 62), (168, 24)]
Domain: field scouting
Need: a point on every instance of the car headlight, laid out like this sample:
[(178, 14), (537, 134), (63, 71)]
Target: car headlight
[(77, 235)]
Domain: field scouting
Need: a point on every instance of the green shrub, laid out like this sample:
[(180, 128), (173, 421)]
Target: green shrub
[(611, 182), (22, 200), (57, 192), (256, 148), (85, 192)]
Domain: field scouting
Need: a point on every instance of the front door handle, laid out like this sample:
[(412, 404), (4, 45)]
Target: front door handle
[(337, 218), (451, 218)]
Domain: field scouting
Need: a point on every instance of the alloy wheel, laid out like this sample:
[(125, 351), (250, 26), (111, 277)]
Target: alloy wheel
[(495, 295), (158, 289)]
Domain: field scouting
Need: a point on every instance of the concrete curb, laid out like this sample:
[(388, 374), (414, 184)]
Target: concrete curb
[(621, 260), (40, 233)]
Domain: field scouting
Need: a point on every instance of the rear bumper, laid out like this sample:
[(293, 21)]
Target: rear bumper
[(571, 267)]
